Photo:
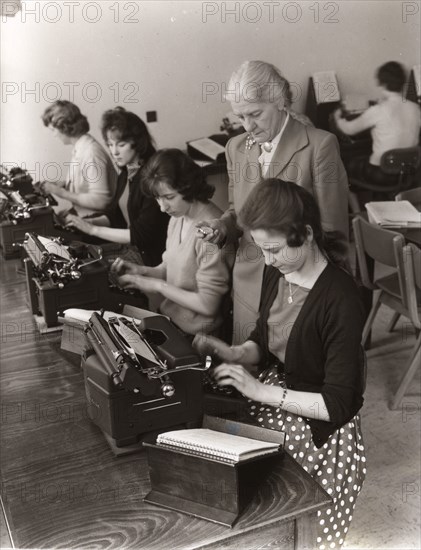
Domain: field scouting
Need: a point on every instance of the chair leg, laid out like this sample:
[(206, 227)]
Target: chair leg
[(370, 318), (354, 203), (393, 322), (413, 365)]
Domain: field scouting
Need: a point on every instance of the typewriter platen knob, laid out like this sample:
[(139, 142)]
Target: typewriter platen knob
[(167, 389)]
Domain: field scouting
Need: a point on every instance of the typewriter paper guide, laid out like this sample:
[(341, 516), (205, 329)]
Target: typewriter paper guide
[(54, 247), (83, 315), (136, 342)]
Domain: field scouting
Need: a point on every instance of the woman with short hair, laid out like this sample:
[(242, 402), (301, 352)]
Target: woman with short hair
[(194, 276), (92, 179), (133, 218), (307, 347)]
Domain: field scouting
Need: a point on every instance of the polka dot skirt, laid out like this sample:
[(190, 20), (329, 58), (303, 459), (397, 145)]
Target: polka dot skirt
[(339, 466)]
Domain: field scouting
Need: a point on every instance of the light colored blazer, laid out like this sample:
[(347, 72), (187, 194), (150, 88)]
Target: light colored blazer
[(305, 155)]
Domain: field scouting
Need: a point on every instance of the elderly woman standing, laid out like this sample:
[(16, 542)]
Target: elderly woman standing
[(276, 144)]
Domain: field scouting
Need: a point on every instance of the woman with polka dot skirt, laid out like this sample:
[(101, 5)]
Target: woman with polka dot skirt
[(307, 348)]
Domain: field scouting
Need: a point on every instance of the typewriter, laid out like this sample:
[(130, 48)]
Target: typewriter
[(15, 179), (20, 214), (140, 377), (61, 276)]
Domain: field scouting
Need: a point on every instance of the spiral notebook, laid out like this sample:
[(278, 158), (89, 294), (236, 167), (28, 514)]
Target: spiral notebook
[(216, 445)]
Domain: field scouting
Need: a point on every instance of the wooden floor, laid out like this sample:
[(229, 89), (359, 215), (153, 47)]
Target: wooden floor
[(36, 392)]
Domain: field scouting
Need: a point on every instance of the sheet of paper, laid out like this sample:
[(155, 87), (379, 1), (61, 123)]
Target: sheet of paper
[(326, 87), (207, 147)]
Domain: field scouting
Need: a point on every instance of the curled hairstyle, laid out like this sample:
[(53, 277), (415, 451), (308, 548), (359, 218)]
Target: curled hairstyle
[(130, 128), (392, 76), (287, 208), (179, 171), (258, 81), (66, 117)]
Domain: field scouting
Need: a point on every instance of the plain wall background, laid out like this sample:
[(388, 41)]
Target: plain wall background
[(162, 56)]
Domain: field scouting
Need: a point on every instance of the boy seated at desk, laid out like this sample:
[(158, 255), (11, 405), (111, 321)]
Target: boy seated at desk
[(394, 123)]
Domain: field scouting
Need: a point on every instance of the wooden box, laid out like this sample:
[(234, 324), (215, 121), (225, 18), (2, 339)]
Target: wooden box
[(205, 487)]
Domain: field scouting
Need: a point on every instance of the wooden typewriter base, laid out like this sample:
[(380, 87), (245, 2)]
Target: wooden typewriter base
[(206, 487)]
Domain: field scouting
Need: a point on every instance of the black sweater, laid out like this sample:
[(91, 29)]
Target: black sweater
[(148, 225), (324, 353)]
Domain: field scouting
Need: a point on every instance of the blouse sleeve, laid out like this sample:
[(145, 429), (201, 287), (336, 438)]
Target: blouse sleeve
[(214, 264), (148, 229)]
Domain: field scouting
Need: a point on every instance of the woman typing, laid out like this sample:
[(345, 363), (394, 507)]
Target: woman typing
[(306, 345), (91, 180), (194, 276), (133, 217)]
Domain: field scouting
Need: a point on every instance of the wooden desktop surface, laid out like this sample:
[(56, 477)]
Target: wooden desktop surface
[(61, 485)]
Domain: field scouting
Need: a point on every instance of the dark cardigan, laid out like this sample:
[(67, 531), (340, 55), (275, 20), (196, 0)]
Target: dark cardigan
[(148, 225), (323, 352)]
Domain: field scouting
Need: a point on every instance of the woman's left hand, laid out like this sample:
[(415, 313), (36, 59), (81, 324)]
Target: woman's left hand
[(146, 284), (238, 377)]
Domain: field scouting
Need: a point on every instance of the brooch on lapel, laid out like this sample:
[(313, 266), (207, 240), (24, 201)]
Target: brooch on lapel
[(250, 141)]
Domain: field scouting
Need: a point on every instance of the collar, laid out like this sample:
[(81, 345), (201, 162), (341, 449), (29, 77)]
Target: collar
[(278, 137)]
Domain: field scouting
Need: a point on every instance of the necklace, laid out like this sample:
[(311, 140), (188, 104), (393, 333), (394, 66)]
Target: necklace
[(291, 293)]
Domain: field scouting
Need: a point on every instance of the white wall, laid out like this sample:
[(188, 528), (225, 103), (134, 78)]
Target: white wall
[(172, 51)]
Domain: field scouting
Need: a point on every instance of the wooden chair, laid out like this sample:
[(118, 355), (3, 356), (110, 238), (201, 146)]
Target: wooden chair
[(414, 197), (399, 168), (412, 269), (411, 195), (386, 247)]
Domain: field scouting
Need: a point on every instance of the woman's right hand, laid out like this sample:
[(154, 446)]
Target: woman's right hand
[(213, 231), (122, 267), (209, 345)]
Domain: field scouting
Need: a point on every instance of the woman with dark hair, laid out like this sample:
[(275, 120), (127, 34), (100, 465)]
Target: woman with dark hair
[(276, 144), (133, 218), (306, 345), (194, 275), (91, 179), (394, 123)]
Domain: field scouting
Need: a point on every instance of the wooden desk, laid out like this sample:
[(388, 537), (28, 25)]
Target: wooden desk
[(61, 485)]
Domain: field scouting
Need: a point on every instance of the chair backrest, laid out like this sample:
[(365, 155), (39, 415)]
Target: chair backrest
[(382, 245), (401, 161), (411, 195), (412, 270)]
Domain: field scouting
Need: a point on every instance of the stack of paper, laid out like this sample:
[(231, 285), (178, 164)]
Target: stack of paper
[(393, 214)]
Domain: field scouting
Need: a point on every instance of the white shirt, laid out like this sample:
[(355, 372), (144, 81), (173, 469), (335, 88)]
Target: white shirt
[(266, 158), (90, 171), (394, 122)]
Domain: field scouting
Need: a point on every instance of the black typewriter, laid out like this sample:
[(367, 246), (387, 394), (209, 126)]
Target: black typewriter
[(64, 274), (222, 401), (15, 179), (21, 213), (140, 377)]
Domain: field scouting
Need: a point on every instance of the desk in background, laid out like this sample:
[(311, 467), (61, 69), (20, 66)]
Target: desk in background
[(62, 487)]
